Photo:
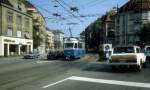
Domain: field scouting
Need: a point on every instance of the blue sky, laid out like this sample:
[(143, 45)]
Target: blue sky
[(92, 9)]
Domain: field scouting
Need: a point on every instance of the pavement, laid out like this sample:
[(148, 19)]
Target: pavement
[(81, 74)]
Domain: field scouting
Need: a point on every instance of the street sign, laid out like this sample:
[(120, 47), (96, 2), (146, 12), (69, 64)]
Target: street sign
[(107, 47)]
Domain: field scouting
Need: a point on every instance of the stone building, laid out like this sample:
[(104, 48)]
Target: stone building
[(15, 28)]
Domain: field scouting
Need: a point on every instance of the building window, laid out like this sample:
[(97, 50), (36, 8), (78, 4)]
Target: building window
[(9, 17), (19, 5), (27, 22), (9, 31), (19, 33), (19, 20)]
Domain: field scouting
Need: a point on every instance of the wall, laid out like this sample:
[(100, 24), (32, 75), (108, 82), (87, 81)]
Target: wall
[(15, 14)]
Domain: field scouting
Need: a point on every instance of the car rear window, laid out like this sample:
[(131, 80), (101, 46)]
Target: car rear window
[(123, 50)]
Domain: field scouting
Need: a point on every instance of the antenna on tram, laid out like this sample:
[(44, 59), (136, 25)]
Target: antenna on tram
[(70, 32)]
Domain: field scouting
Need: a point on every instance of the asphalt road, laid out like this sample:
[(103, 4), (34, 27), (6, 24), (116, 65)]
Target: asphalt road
[(87, 74)]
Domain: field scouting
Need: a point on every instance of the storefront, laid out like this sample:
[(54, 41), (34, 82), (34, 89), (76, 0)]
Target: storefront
[(15, 46)]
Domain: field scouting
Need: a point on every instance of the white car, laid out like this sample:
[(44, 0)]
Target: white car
[(31, 55), (127, 56), (147, 52)]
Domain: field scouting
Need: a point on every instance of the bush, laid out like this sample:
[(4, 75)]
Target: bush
[(101, 55)]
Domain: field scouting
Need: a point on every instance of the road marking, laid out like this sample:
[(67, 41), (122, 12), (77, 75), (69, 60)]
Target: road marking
[(104, 81), (113, 82), (49, 85), (41, 62)]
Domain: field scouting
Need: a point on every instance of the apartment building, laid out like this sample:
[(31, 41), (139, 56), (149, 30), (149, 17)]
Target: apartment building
[(15, 28), (129, 20)]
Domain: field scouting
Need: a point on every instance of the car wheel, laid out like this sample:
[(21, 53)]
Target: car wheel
[(144, 65), (68, 58), (114, 68), (139, 67)]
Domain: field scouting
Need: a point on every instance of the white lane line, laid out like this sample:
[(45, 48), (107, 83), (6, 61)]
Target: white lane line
[(49, 85), (41, 62), (104, 81), (113, 82)]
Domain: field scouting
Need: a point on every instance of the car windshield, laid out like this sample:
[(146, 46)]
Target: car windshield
[(123, 50), (68, 45)]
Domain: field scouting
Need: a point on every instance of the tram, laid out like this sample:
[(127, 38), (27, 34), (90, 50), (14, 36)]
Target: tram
[(74, 48)]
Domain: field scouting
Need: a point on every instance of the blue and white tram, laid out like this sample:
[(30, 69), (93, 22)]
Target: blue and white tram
[(73, 48)]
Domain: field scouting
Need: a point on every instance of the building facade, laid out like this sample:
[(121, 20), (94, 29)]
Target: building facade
[(58, 40), (108, 27), (49, 40), (129, 20), (15, 28), (100, 32)]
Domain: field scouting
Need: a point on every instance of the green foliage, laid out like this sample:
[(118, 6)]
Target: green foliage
[(37, 39), (144, 34), (101, 55)]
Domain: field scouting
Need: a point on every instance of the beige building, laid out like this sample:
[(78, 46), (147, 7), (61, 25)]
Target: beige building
[(49, 40), (15, 28), (39, 26)]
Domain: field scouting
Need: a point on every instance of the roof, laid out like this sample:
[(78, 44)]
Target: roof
[(135, 5), (6, 2), (108, 16), (28, 4)]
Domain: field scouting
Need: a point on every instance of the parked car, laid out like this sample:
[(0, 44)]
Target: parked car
[(147, 52), (31, 55), (127, 56), (53, 55)]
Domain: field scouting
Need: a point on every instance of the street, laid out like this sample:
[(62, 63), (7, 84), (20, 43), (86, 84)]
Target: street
[(81, 74)]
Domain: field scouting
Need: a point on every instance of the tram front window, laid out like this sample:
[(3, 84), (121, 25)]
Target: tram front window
[(68, 45)]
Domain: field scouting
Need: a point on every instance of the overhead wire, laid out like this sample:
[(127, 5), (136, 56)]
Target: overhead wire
[(68, 11)]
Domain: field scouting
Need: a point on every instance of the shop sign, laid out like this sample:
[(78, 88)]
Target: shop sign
[(8, 40)]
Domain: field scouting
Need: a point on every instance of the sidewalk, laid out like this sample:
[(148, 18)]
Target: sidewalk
[(10, 57)]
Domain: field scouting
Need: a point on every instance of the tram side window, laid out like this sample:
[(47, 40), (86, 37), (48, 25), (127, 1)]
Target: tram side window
[(80, 45), (76, 45)]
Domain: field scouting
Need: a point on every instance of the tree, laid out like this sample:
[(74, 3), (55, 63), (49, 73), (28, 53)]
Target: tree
[(144, 34), (37, 39)]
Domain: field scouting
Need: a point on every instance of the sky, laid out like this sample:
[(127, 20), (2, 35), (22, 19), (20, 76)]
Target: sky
[(67, 19)]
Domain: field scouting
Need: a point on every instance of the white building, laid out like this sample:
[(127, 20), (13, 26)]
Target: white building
[(58, 40), (49, 40), (131, 16)]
